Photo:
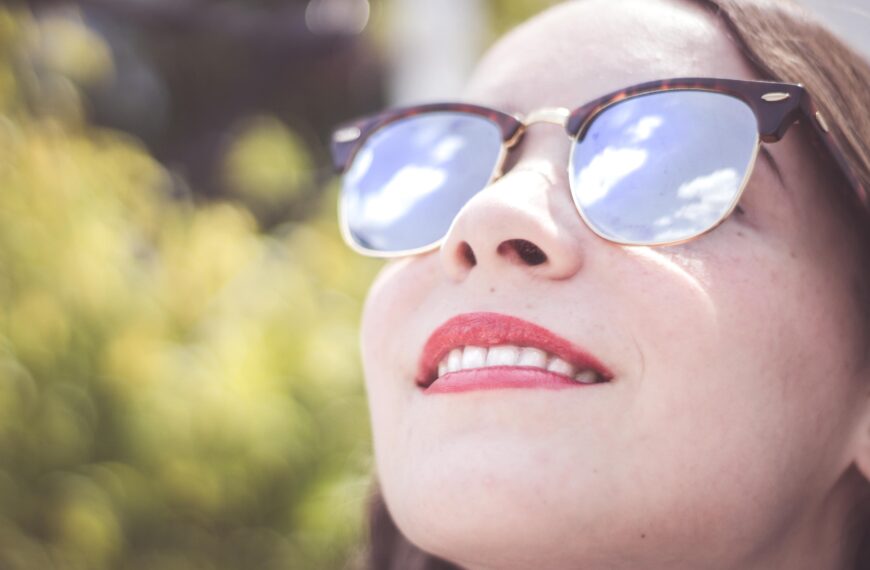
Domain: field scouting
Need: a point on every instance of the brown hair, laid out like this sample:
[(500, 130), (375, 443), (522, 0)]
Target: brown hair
[(786, 44)]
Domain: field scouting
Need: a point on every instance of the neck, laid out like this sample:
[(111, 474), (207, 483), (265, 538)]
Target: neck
[(826, 534)]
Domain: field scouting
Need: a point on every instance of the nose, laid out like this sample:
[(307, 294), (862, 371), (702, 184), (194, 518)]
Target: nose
[(524, 221)]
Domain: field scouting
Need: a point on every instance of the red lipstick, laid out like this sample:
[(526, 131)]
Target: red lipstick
[(493, 329)]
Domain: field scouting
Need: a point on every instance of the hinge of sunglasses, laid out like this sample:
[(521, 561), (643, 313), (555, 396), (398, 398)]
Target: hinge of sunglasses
[(775, 96)]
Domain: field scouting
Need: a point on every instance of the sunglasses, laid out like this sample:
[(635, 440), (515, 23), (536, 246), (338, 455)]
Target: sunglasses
[(654, 164)]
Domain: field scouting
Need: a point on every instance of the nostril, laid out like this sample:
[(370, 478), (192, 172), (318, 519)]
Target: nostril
[(526, 250), (468, 254)]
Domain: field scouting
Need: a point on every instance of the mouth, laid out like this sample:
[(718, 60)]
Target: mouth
[(473, 343)]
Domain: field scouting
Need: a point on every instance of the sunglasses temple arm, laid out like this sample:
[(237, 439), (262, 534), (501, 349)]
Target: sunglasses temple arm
[(835, 150)]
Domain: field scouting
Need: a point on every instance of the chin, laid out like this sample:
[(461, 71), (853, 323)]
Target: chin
[(481, 534), (491, 513), (485, 511)]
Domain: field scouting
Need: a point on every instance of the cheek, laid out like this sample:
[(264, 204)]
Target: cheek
[(386, 333), (746, 378), (768, 318), (400, 289)]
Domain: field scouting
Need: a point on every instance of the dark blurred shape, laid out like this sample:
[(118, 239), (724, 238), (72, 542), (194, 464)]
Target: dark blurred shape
[(188, 72)]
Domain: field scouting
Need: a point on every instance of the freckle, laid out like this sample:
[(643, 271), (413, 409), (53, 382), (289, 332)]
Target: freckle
[(792, 254), (643, 535), (739, 233), (492, 289)]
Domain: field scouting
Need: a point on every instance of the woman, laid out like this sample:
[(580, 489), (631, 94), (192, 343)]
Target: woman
[(617, 365)]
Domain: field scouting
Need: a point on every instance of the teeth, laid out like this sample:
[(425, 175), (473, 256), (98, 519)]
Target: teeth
[(559, 366), (532, 357), (587, 377), (454, 360), (471, 357), (502, 356)]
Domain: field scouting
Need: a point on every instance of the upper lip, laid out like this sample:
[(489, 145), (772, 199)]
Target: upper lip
[(493, 329)]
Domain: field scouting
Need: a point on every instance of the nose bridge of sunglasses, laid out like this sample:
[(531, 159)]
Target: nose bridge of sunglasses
[(552, 115)]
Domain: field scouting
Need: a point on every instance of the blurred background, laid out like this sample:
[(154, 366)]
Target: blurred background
[(179, 376)]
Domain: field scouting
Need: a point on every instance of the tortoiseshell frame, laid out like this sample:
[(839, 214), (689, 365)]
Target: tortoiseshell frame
[(776, 107)]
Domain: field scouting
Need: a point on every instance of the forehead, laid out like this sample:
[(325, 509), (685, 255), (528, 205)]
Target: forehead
[(582, 49)]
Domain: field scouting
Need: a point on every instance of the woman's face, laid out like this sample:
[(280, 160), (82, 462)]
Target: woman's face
[(728, 429)]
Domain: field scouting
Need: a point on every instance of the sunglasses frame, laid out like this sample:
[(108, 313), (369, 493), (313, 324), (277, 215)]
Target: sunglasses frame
[(776, 107)]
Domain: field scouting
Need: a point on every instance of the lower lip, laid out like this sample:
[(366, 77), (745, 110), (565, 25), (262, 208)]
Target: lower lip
[(498, 377)]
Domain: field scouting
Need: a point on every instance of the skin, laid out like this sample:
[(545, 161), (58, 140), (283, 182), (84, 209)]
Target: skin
[(735, 432)]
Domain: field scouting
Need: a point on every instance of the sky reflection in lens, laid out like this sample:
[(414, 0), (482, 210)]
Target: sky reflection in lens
[(411, 178), (665, 166)]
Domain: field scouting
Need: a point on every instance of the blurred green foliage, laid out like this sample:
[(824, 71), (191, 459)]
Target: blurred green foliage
[(266, 164), (505, 14), (178, 390)]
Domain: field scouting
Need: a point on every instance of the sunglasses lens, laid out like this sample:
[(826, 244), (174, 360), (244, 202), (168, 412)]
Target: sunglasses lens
[(410, 178), (663, 167)]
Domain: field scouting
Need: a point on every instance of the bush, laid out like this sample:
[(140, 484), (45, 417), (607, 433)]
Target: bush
[(178, 389)]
